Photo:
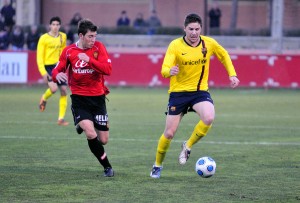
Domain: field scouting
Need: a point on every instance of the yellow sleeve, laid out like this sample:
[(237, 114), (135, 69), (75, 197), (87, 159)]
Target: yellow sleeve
[(40, 55), (169, 61), (225, 59)]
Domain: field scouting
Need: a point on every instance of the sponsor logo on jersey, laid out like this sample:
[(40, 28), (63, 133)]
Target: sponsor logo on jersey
[(80, 68), (191, 63), (83, 71)]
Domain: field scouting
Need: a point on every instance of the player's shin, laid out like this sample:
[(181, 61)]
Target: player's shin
[(47, 94), (162, 148), (63, 103), (200, 130), (98, 150)]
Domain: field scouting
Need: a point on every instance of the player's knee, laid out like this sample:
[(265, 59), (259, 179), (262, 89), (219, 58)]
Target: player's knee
[(169, 134), (63, 92), (104, 141), (53, 90), (208, 120), (103, 137), (90, 134)]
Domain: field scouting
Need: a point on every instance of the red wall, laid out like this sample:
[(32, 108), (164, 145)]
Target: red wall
[(143, 69)]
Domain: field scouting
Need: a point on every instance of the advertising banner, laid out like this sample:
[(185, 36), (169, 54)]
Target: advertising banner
[(13, 67), (143, 69)]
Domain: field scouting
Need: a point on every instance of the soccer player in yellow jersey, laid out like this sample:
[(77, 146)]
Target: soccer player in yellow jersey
[(186, 63), (49, 48)]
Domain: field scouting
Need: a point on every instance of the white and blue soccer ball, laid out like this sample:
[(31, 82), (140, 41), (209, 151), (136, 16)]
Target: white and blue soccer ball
[(205, 167)]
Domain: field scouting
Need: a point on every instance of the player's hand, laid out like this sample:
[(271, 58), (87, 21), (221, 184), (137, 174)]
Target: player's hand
[(174, 70), (84, 57), (234, 81), (61, 77)]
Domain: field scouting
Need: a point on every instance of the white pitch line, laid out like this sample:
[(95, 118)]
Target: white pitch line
[(159, 124), (146, 140)]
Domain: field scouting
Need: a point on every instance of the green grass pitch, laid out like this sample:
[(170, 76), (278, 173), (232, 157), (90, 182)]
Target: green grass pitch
[(255, 141)]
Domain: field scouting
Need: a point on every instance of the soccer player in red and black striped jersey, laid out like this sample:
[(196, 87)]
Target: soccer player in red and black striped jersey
[(186, 63), (83, 65)]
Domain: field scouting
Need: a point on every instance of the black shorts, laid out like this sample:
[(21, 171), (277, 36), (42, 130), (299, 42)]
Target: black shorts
[(182, 102), (91, 108), (49, 69)]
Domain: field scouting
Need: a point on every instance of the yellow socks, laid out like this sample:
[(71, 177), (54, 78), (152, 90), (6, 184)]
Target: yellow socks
[(63, 103), (200, 131), (162, 148), (47, 94)]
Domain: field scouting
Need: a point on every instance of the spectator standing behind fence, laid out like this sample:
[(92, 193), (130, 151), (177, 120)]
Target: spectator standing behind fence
[(70, 34), (8, 12), (4, 40), (17, 39), (33, 37), (214, 18), (123, 20), (76, 18), (153, 23), (139, 23), (2, 24)]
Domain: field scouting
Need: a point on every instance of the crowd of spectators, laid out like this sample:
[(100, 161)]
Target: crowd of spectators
[(19, 38), (148, 26)]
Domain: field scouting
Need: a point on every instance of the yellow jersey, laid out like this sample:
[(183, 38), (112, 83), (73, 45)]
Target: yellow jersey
[(193, 63), (49, 49)]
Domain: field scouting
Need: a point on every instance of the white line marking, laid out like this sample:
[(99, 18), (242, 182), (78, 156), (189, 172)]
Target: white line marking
[(146, 140), (159, 124)]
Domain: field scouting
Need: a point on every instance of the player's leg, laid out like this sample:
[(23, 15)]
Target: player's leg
[(103, 137), (96, 140), (94, 143), (63, 104), (101, 127), (43, 101), (172, 122), (202, 104), (52, 87), (206, 111)]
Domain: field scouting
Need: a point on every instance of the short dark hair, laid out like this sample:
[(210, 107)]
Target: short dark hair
[(56, 18), (85, 25), (192, 18)]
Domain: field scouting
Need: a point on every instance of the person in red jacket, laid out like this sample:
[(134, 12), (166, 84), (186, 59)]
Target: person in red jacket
[(83, 65)]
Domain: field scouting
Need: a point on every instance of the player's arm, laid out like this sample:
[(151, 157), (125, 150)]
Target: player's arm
[(224, 58), (169, 68), (40, 56), (101, 63), (58, 73)]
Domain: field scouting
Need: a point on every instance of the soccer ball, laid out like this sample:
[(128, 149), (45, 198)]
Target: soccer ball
[(205, 167)]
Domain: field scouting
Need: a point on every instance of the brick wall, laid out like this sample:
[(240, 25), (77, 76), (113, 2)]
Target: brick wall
[(252, 15)]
